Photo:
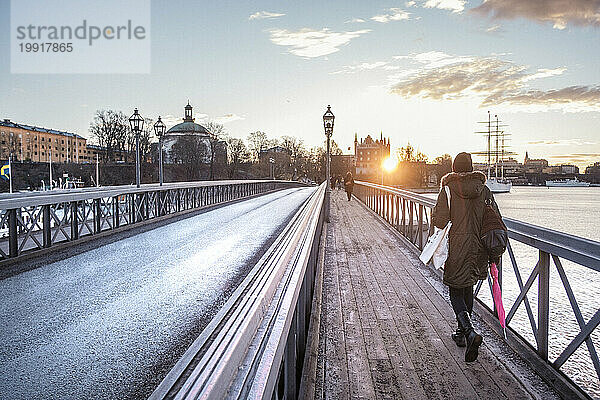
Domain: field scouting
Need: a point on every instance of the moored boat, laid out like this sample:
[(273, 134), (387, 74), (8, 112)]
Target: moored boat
[(498, 185), (567, 183)]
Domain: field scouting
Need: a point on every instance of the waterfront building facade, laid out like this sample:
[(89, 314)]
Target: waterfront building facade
[(36, 144)]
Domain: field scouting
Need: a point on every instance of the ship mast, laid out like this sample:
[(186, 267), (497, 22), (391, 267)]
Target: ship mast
[(489, 144), (496, 164)]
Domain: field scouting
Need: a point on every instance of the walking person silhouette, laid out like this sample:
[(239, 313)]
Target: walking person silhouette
[(467, 260)]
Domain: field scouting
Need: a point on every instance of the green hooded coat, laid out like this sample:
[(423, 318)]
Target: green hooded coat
[(467, 259)]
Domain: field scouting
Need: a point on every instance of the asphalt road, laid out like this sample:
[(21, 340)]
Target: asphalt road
[(110, 322)]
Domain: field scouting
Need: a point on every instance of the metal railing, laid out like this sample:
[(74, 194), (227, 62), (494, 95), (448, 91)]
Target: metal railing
[(254, 347), (34, 222), (410, 214)]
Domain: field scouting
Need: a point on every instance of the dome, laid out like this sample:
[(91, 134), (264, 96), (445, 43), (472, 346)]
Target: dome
[(188, 127)]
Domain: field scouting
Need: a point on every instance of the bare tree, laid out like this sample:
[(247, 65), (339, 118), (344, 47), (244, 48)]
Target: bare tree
[(237, 153), (410, 154), (217, 145), (257, 142), (190, 151), (110, 129), (295, 148)]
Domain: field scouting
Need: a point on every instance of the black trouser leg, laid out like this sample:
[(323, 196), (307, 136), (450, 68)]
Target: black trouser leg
[(468, 296), (462, 299), (457, 299), (349, 195)]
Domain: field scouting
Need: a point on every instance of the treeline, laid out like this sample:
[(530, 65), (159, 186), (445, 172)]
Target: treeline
[(291, 159)]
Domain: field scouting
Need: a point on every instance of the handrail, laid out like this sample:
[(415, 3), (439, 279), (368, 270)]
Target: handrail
[(30, 224), (28, 199), (255, 345), (410, 214)]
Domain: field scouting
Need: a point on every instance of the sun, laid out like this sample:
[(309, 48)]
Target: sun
[(389, 164)]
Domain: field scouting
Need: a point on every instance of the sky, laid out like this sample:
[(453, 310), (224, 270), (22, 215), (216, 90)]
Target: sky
[(422, 71)]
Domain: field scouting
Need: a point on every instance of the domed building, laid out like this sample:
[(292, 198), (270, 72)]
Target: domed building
[(188, 141)]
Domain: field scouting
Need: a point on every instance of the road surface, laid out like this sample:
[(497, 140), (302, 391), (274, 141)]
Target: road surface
[(110, 322)]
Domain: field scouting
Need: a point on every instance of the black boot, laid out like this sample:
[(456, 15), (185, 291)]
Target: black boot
[(459, 337), (473, 339)]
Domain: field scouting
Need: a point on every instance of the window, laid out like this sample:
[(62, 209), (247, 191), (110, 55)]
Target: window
[(62, 142), (43, 139)]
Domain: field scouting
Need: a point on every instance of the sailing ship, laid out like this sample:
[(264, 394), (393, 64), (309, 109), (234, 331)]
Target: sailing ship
[(497, 183)]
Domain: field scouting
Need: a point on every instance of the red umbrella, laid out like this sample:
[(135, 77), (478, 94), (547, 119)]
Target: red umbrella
[(497, 294)]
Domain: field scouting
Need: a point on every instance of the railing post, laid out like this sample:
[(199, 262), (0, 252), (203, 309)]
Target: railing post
[(289, 363), (420, 229), (74, 221), (13, 247), (97, 220), (410, 220), (116, 217), (46, 229), (397, 213), (543, 304)]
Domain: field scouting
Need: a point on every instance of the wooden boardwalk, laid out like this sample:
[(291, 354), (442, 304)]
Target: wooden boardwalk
[(384, 329)]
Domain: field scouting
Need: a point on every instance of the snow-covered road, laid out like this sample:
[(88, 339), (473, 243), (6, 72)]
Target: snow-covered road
[(109, 323)]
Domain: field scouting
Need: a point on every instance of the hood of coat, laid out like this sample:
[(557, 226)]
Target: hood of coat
[(467, 185)]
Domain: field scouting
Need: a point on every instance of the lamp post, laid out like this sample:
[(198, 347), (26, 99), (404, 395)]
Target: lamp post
[(328, 119), (136, 122), (272, 169), (159, 129)]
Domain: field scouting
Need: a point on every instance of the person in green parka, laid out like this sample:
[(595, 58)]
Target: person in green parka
[(467, 260)]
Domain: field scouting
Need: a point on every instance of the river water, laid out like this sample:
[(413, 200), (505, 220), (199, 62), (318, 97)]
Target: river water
[(571, 210)]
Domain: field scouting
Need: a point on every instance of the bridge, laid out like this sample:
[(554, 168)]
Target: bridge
[(241, 289)]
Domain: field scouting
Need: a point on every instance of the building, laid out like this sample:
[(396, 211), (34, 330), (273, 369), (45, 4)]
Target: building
[(32, 143), (190, 132), (569, 169), (593, 169), (369, 154), (534, 165)]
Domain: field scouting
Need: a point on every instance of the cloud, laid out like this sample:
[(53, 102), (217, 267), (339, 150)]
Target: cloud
[(494, 28), (558, 12), (393, 14), (455, 6), (224, 119), (311, 43), (410, 3), (545, 73), (493, 81), (355, 21), (265, 15), (561, 142), (349, 69)]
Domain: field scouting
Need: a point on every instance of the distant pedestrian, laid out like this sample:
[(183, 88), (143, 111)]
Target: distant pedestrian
[(467, 258), (349, 184)]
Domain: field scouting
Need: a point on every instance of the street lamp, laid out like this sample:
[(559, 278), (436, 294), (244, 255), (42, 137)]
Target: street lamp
[(136, 122), (328, 120), (159, 129), (272, 169)]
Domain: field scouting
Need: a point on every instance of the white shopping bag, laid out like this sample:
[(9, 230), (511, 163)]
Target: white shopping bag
[(436, 248)]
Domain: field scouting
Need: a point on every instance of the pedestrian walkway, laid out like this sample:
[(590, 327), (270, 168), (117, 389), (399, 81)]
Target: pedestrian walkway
[(384, 330)]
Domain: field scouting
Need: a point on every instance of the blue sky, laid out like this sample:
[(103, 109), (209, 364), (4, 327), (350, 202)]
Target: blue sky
[(423, 71)]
